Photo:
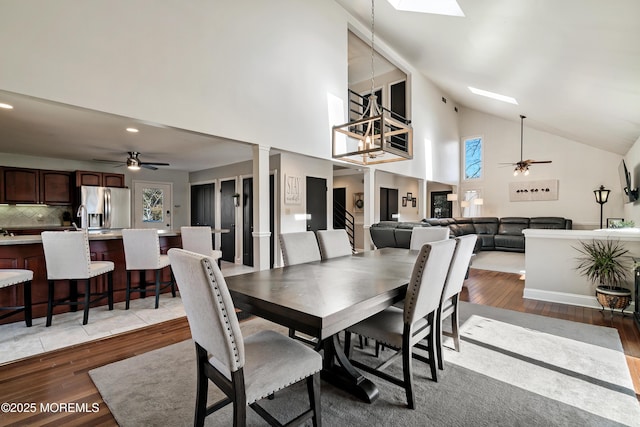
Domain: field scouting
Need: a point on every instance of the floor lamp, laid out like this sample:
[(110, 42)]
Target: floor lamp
[(452, 197), (602, 195)]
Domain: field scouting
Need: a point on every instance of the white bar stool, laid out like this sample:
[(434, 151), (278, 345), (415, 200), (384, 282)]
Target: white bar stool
[(11, 277), (68, 257), (199, 240), (142, 253)]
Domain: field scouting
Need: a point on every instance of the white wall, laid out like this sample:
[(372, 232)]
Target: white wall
[(253, 71), (404, 185), (579, 168), (632, 160), (353, 183)]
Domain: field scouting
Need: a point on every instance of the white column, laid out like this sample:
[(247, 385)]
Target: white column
[(369, 206), (261, 234)]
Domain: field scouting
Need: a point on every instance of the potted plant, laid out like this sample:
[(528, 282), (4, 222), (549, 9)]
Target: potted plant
[(605, 263)]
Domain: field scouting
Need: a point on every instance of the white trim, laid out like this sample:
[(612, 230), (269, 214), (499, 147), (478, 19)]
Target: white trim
[(567, 298)]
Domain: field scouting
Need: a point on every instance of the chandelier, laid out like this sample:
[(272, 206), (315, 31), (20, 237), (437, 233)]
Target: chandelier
[(377, 135)]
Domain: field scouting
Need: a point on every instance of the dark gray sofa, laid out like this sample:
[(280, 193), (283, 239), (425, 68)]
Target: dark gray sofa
[(502, 234)]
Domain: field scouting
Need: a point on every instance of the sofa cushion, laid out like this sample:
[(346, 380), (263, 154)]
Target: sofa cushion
[(513, 226), (505, 242), (550, 222), (383, 237)]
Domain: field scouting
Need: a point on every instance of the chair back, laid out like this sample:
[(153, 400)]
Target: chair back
[(141, 248), (333, 243), (298, 248), (459, 265), (197, 239), (427, 279), (422, 235), (66, 254), (209, 308)]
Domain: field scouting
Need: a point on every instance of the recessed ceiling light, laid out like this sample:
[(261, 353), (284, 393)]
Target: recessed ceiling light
[(492, 95), (438, 7), (132, 130), (6, 106)]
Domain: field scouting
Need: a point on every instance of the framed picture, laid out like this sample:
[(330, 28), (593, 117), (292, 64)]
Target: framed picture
[(409, 196), (614, 222), (404, 201), (414, 201)]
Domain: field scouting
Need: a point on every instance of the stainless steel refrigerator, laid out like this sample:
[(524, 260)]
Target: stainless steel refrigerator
[(105, 207)]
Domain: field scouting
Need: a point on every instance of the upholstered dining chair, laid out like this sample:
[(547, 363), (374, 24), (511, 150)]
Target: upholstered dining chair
[(333, 243), (422, 235), (142, 253), (198, 239), (300, 247), (452, 288), (402, 329), (67, 257), (246, 369), (12, 277)]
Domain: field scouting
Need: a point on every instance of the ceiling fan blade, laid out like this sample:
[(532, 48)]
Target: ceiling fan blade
[(148, 166), (540, 161), (108, 161), (154, 164)]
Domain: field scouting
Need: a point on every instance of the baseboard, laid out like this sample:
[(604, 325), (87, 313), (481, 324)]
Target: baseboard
[(566, 298)]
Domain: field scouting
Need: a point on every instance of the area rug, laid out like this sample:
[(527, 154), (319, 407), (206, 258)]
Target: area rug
[(513, 369)]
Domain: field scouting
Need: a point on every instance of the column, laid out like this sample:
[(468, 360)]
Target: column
[(261, 234)]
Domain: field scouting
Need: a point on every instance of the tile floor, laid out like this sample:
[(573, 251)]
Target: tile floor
[(17, 341)]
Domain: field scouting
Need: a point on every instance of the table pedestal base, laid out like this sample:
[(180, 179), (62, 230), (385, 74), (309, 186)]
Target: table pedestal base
[(338, 371)]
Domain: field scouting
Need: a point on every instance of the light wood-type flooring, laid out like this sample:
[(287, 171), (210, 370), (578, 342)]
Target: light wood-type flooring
[(62, 375)]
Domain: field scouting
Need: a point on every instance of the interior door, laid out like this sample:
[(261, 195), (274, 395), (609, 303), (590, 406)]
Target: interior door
[(203, 205), (228, 220), (388, 204), (247, 221), (316, 203), (152, 205)]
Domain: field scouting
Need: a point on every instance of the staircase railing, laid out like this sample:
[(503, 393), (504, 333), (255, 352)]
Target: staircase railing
[(339, 211)]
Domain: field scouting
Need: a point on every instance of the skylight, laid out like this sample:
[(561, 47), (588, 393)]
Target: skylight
[(493, 95), (438, 7)]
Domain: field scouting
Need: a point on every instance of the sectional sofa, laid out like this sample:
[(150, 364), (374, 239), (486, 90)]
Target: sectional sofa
[(501, 234)]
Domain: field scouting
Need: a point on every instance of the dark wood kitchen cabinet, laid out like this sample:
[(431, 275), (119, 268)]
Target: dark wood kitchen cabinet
[(100, 179), (55, 188), (21, 185)]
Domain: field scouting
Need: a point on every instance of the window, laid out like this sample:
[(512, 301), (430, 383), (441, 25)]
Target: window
[(152, 205), (471, 204), (473, 158)]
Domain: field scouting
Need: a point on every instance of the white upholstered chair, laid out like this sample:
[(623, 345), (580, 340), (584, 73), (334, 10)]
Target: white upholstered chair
[(142, 253), (68, 257), (333, 243), (300, 247), (452, 289), (12, 277), (198, 239), (246, 369), (422, 235), (402, 329)]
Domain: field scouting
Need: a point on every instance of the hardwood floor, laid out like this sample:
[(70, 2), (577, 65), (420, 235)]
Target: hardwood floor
[(62, 376)]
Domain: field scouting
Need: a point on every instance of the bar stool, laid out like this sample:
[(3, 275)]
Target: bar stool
[(198, 240), (68, 257), (142, 253), (11, 277)]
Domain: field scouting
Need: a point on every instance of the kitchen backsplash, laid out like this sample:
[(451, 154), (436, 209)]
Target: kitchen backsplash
[(31, 216)]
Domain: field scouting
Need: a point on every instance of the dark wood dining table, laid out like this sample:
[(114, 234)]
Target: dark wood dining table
[(322, 298)]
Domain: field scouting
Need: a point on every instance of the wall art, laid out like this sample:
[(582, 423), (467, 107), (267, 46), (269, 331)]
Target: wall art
[(527, 191)]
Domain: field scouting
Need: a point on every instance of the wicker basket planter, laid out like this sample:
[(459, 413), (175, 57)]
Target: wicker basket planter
[(614, 298)]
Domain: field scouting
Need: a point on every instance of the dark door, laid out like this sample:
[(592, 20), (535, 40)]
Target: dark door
[(316, 203), (388, 204), (440, 207), (228, 220), (247, 221), (339, 208), (203, 205)]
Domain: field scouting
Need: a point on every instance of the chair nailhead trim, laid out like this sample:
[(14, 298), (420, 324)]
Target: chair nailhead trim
[(285, 386)]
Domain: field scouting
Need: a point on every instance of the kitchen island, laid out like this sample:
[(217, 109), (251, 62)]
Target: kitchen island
[(26, 252)]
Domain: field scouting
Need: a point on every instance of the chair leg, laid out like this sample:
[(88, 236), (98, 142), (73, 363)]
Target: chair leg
[(431, 339), (407, 370), (110, 289), (347, 343), (128, 291), (313, 387), (202, 388), (455, 328), (158, 288), (173, 283), (239, 399), (438, 325), (73, 291), (50, 303), (87, 301), (27, 302)]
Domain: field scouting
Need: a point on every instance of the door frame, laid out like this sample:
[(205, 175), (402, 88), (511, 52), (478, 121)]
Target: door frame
[(134, 196), (238, 184)]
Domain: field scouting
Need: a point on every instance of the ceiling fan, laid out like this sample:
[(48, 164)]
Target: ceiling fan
[(523, 165), (133, 162)]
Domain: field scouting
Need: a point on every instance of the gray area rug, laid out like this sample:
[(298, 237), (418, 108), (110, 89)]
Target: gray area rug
[(513, 369)]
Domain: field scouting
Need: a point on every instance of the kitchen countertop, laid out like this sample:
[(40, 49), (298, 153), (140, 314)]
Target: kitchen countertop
[(97, 235)]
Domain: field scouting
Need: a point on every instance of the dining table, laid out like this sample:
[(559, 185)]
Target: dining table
[(323, 298)]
